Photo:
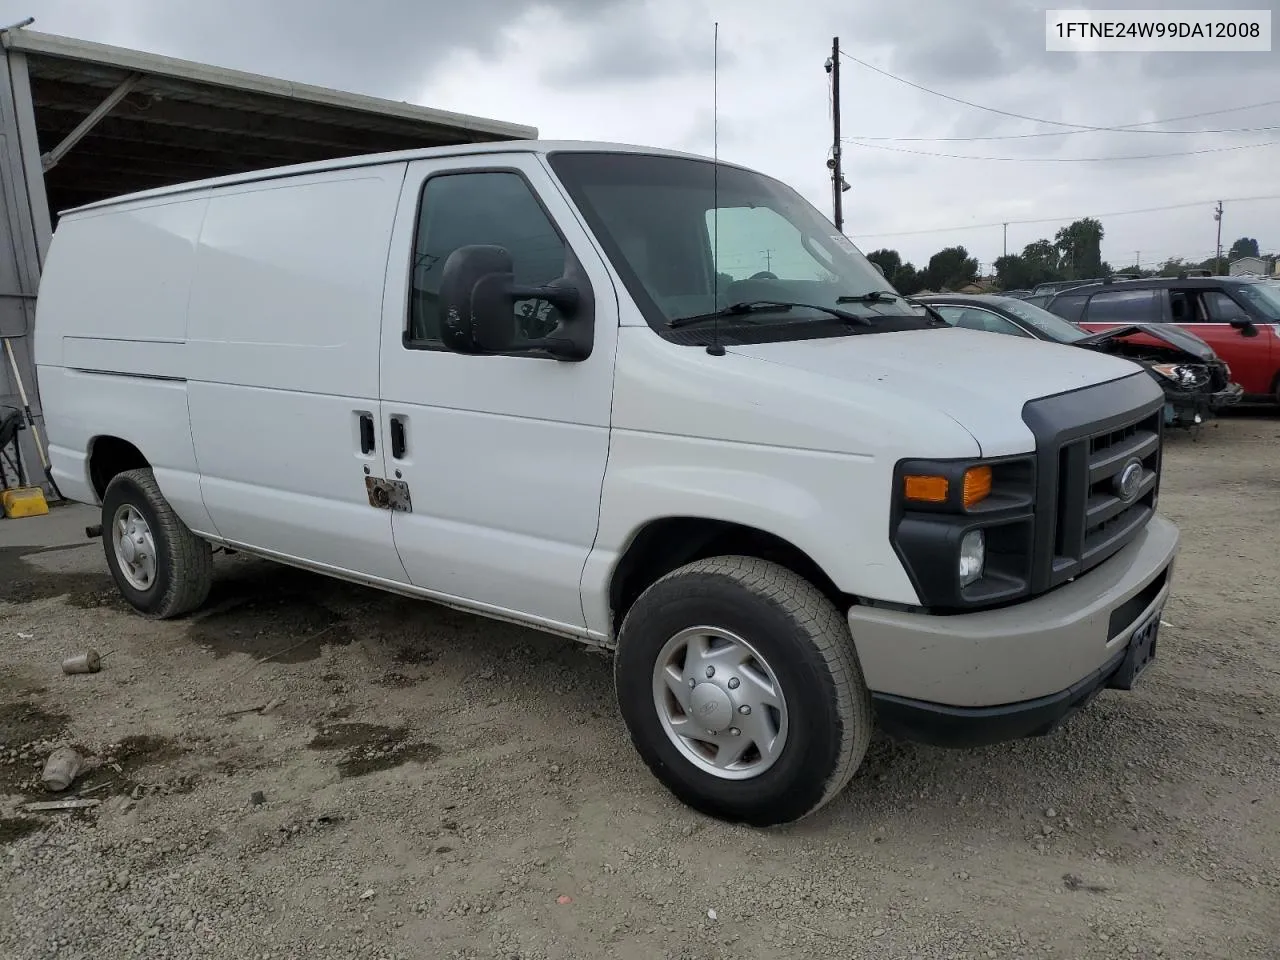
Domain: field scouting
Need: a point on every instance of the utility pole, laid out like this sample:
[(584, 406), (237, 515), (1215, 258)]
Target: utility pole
[(837, 172), (768, 259), (1217, 215), (1006, 239)]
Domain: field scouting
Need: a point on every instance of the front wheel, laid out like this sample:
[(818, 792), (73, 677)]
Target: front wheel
[(161, 567), (740, 687)]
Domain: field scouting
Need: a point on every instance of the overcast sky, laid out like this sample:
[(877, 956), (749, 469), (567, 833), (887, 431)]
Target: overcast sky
[(640, 71)]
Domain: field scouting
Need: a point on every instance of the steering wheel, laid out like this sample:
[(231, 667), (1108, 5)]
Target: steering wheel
[(763, 275)]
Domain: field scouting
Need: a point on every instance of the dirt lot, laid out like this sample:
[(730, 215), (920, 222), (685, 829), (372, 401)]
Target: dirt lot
[(434, 785)]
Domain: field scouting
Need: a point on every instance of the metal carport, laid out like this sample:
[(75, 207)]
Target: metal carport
[(83, 121)]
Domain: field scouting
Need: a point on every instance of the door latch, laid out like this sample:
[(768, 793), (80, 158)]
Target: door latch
[(388, 494), (366, 434), (397, 438)]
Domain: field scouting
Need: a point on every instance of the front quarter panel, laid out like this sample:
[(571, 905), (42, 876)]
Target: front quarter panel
[(757, 444)]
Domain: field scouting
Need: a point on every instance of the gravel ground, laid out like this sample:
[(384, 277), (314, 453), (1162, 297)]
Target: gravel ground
[(431, 785)]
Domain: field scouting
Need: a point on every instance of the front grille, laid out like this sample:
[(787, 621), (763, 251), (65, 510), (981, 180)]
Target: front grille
[(1093, 520), (1084, 442)]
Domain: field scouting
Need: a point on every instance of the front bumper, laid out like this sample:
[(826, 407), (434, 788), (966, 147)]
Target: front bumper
[(1010, 672), (1233, 394)]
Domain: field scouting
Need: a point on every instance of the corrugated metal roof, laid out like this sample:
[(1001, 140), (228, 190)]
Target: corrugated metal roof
[(203, 83)]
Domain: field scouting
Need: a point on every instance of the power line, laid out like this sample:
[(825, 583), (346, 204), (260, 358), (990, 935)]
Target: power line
[(1083, 127), (1132, 156), (1038, 220), (1065, 133), (1122, 128)]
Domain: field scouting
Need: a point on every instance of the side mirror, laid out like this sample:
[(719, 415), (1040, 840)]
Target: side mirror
[(1245, 326), (878, 267), (478, 294)]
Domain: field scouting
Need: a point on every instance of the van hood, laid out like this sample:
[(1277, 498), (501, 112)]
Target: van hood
[(980, 380)]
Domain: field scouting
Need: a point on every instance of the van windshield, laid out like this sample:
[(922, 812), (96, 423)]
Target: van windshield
[(689, 245)]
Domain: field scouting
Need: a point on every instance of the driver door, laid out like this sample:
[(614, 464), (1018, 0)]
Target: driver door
[(1250, 353), (502, 456)]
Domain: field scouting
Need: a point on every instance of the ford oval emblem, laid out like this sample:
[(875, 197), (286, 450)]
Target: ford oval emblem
[(1129, 481)]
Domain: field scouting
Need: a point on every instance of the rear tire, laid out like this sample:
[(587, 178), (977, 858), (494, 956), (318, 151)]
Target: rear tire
[(740, 687), (161, 567)]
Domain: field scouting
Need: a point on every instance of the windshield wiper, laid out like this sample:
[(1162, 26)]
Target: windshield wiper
[(873, 296), (764, 306)]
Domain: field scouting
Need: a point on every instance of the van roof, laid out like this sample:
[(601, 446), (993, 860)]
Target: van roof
[(399, 156)]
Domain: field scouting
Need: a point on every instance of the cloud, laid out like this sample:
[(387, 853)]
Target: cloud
[(381, 47), (640, 72), (637, 43)]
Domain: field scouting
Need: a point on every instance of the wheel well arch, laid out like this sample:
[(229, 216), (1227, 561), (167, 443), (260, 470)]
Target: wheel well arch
[(109, 456), (665, 544)]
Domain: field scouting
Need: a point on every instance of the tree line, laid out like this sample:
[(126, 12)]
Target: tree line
[(1075, 253)]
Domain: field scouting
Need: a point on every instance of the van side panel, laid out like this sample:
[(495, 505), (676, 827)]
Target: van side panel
[(150, 414), (109, 341), (123, 272), (283, 338)]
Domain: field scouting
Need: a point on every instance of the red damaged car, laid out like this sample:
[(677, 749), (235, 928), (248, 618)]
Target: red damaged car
[(1239, 317), (1195, 381)]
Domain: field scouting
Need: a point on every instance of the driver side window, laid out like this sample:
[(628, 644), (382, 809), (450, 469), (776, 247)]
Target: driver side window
[(492, 207), (1221, 308)]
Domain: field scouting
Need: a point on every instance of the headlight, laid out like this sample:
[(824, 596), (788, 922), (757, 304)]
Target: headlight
[(1183, 374), (964, 529), (973, 557)]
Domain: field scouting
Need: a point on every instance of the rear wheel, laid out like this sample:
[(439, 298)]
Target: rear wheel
[(161, 567), (738, 682)]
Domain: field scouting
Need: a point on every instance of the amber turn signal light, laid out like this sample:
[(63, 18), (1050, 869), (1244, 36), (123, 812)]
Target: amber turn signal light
[(930, 488), (925, 489), (977, 485)]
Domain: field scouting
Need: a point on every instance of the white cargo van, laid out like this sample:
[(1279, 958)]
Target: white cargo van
[(627, 396)]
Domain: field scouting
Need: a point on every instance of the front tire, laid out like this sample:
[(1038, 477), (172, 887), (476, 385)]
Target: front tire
[(161, 567), (740, 687)]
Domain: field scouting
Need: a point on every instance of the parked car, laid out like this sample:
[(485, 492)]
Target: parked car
[(1196, 383), (512, 378), (1237, 316), (1057, 286)]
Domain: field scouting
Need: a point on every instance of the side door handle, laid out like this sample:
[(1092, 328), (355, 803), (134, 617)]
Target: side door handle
[(367, 442), (397, 438)]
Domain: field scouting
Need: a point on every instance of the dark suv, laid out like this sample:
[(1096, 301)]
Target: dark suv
[(1237, 316)]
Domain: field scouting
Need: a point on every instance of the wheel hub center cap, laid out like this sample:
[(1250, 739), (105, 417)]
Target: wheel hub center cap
[(127, 549), (711, 707)]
